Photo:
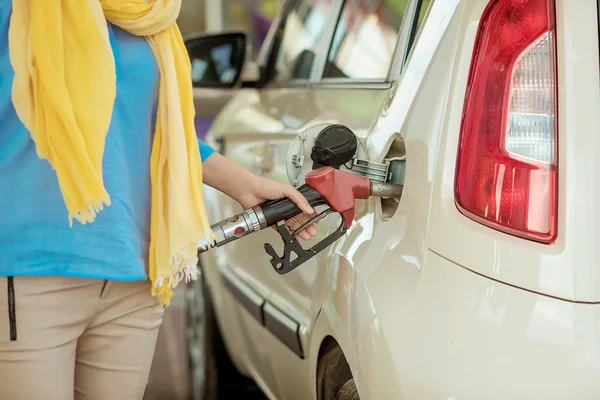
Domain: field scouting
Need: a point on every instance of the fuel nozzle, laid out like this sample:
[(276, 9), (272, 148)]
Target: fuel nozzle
[(341, 189), (260, 217), (324, 186)]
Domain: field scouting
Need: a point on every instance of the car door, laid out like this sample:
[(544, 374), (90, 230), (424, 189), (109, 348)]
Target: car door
[(316, 73)]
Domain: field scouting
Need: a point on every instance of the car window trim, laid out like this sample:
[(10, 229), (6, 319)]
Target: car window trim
[(404, 38), (352, 84), (291, 83), (331, 84)]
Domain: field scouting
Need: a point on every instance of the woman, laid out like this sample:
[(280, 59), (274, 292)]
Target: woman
[(100, 182)]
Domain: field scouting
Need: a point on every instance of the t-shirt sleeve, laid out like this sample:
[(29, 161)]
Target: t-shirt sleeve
[(205, 150)]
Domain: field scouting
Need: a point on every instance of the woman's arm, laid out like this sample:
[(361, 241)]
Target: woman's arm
[(249, 189)]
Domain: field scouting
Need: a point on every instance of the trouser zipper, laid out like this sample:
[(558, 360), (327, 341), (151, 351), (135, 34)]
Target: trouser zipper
[(12, 315)]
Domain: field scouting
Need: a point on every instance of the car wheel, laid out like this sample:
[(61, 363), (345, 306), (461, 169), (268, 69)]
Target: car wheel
[(200, 333), (348, 391)]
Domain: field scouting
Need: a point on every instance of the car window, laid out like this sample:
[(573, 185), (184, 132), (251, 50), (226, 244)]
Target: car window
[(365, 39), (303, 30)]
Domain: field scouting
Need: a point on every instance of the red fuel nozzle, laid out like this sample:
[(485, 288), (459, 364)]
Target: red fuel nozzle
[(340, 189), (325, 185)]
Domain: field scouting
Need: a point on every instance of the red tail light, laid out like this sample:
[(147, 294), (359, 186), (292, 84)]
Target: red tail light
[(506, 173)]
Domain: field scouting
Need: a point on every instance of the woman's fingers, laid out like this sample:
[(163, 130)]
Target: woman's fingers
[(293, 194), (295, 222)]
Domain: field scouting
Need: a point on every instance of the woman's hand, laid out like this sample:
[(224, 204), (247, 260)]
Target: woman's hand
[(250, 190), (263, 189)]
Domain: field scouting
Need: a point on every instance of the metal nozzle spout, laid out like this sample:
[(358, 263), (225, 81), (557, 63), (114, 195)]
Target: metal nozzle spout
[(388, 190)]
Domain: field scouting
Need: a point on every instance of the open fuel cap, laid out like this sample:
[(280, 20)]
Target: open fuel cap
[(323, 144), (331, 145), (334, 146)]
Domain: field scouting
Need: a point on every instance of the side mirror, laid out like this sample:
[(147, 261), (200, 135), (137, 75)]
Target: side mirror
[(217, 60)]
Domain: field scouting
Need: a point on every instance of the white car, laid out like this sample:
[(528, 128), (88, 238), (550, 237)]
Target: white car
[(483, 280)]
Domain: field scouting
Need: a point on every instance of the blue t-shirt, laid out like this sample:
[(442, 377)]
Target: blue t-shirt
[(35, 237)]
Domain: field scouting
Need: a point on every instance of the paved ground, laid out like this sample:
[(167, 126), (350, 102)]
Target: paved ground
[(169, 375)]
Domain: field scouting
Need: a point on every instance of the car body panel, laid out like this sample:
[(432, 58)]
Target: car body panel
[(568, 269), (465, 336)]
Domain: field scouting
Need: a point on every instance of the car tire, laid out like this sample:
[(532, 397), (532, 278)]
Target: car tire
[(201, 329), (348, 391)]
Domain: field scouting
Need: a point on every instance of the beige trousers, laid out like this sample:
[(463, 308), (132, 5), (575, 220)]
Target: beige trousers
[(63, 338)]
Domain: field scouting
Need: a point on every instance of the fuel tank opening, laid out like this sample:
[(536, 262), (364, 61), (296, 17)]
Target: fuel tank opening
[(395, 158)]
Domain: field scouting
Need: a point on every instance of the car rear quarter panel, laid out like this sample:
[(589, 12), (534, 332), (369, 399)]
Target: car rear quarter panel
[(569, 268), (464, 336), (437, 330)]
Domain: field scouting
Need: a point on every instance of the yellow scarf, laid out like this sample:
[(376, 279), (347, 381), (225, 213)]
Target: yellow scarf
[(63, 91)]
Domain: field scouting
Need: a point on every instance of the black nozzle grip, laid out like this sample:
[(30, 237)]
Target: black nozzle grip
[(279, 210)]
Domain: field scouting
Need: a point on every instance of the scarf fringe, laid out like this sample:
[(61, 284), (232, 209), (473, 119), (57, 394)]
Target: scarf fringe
[(184, 266), (89, 212)]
